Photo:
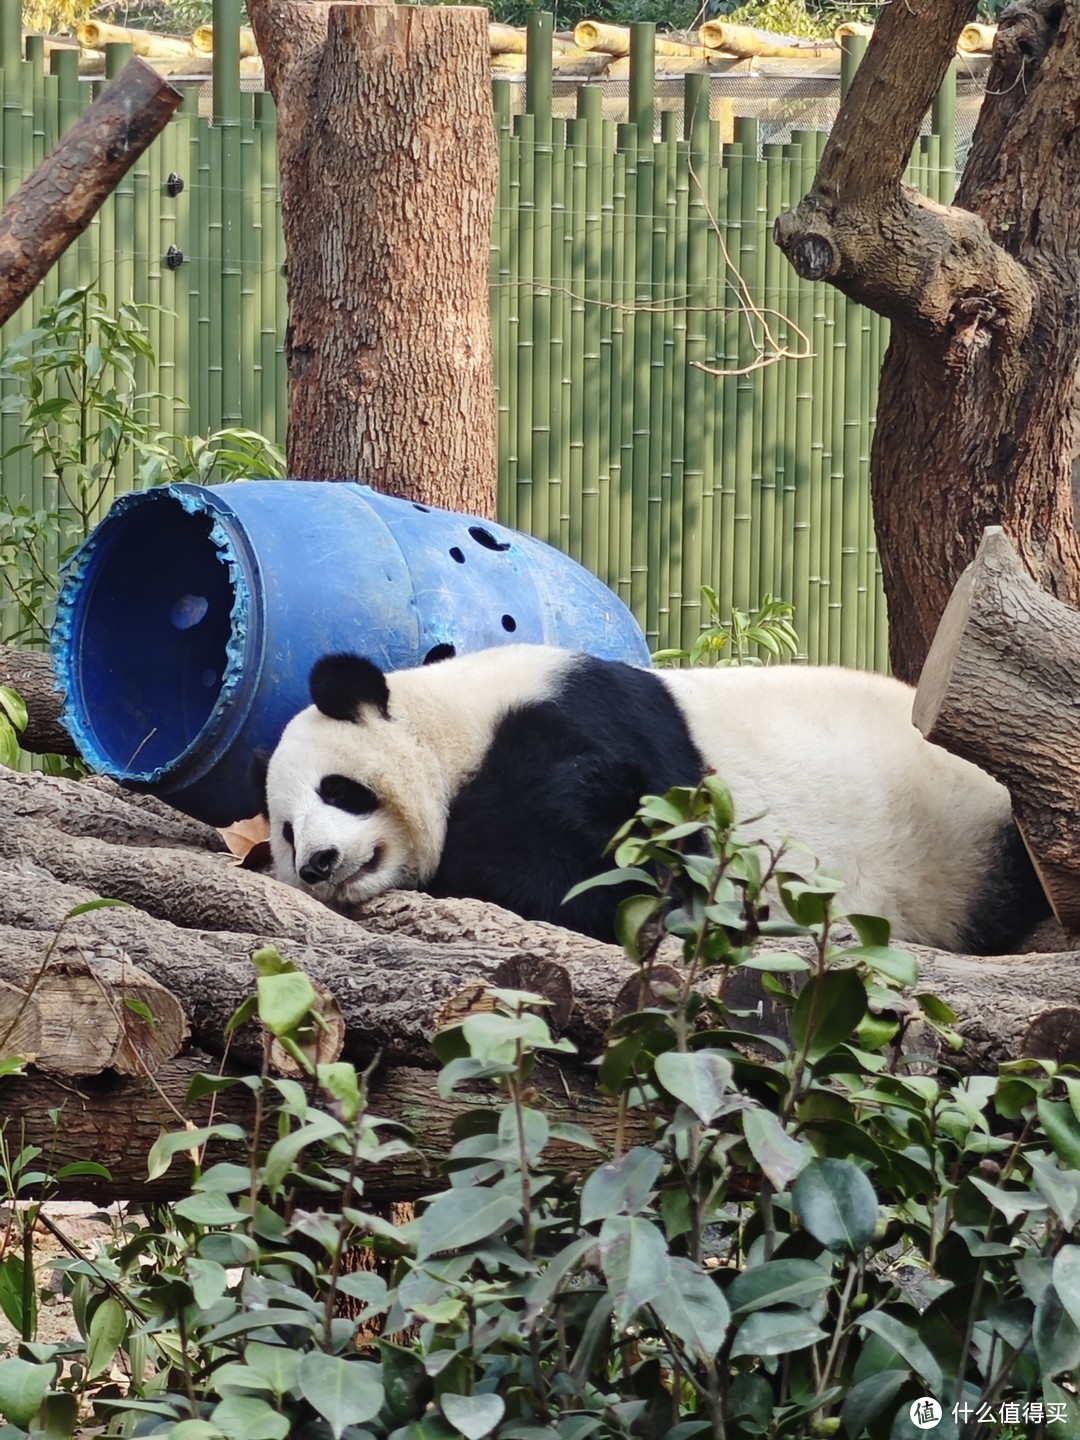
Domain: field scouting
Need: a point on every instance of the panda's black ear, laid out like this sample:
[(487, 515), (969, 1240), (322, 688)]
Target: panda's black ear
[(341, 685)]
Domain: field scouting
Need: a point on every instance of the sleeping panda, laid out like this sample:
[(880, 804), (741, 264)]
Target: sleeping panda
[(503, 774)]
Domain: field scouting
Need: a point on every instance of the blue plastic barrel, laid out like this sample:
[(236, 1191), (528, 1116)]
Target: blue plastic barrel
[(188, 622)]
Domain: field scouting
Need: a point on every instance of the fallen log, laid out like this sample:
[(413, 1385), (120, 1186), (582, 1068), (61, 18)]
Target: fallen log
[(56, 203), (114, 1122), (30, 672), (996, 688), (412, 962)]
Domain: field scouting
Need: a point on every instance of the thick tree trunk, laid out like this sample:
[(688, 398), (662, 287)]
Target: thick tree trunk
[(999, 688), (57, 202), (975, 411), (384, 114)]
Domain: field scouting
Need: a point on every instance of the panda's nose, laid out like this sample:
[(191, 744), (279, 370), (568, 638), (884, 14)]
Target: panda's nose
[(318, 866)]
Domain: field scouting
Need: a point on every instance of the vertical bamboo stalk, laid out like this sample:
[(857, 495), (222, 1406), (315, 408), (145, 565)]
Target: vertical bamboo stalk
[(746, 519), (529, 509), (589, 189), (514, 302), (697, 513), (546, 499), (774, 414), (678, 518), (641, 601), (251, 250), (720, 560), (673, 318), (603, 286), (625, 380), (659, 553), (501, 299), (227, 318), (561, 489)]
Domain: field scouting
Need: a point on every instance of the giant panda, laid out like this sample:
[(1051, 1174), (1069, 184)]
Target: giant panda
[(502, 775)]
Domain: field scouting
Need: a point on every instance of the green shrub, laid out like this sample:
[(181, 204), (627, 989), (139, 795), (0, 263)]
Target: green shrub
[(815, 1230)]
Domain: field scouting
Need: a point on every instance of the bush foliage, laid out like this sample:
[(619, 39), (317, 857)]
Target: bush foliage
[(814, 1232)]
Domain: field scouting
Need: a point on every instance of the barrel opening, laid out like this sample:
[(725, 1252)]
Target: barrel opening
[(509, 624), (150, 631), (439, 652), (457, 554)]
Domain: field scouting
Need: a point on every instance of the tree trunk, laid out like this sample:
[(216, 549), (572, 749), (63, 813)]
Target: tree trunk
[(999, 688), (384, 114), (56, 203), (975, 410)]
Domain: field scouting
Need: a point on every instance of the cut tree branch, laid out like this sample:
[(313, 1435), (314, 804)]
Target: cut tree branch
[(59, 199), (30, 672)]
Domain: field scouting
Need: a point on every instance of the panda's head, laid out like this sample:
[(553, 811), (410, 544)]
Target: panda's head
[(356, 800)]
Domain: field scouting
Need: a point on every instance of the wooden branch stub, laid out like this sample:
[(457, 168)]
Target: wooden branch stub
[(86, 1011), (1053, 1035), (56, 203), (998, 688)]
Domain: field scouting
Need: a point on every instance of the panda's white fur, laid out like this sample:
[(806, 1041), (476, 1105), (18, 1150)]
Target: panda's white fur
[(502, 774)]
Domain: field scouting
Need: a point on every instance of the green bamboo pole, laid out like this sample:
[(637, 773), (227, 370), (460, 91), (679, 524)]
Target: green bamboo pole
[(625, 380), (561, 490), (74, 265), (588, 389), (659, 557), (853, 495), (697, 398), (211, 339), (546, 498), (673, 356), (809, 444), (726, 165), (786, 299), (603, 286), (529, 504), (680, 521), (581, 487), (165, 231), (146, 204), (640, 492), (746, 538), (116, 217), (642, 83), (770, 430), (538, 91), (251, 251), (198, 279), (514, 302), (501, 298), (227, 318)]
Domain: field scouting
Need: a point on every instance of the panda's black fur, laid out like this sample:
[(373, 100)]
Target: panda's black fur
[(502, 776)]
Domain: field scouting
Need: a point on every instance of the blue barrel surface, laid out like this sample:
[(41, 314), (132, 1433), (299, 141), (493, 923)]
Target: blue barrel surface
[(188, 622)]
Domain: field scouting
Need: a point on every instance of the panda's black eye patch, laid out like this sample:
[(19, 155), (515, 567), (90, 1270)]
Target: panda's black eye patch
[(348, 795), (287, 835)]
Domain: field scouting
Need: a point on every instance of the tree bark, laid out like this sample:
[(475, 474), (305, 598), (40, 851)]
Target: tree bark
[(975, 409), (385, 114), (999, 688), (30, 672), (57, 202)]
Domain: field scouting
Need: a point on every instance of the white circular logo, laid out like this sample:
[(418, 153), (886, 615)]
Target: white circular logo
[(925, 1413)]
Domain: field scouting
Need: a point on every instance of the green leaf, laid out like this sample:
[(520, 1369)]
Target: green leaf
[(14, 1293), (285, 1001), (461, 1217), (835, 1201), (1062, 1129), (343, 1392), (23, 1387), (250, 1417), (1060, 1188), (871, 1397), (1012, 1203), (1066, 1275), (775, 1332), (1055, 1334), (632, 915), (897, 965), (622, 1186), (108, 1326), (693, 1309), (406, 1383), (776, 1282), (780, 1156), (282, 1157), (472, 1415), (699, 1078), (826, 1011), (342, 1082), (905, 1340), (620, 876), (212, 1208), (11, 702), (635, 1262)]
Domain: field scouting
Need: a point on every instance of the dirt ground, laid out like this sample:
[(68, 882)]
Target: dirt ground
[(86, 1227)]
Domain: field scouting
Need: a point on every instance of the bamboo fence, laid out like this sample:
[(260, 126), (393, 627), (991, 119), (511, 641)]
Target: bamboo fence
[(647, 424)]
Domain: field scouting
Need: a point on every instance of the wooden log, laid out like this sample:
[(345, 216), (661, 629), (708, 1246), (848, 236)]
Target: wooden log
[(115, 1122), (997, 688), (748, 43), (56, 203), (75, 1008), (30, 672), (95, 35), (202, 40), (976, 39)]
